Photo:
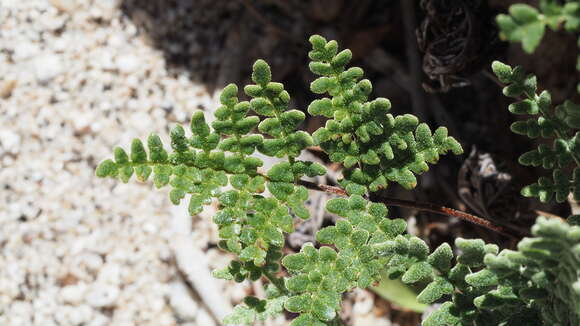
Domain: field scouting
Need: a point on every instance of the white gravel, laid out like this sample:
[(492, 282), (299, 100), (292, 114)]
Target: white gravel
[(77, 79)]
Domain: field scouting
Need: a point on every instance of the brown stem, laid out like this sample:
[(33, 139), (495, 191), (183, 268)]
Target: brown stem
[(427, 207)]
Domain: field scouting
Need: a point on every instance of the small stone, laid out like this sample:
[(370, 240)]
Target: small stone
[(21, 308), (105, 61), (82, 124), (46, 67), (127, 63), (364, 303), (73, 294), (102, 295), (25, 50), (64, 5), (99, 319), (10, 141), (110, 273), (116, 40), (92, 261), (149, 228), (68, 315), (6, 88), (80, 315)]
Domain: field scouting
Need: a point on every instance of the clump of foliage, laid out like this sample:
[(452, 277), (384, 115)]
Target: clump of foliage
[(559, 124), (481, 285), (527, 24), (374, 146)]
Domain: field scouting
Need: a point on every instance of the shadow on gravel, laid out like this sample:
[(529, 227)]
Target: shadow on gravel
[(217, 41)]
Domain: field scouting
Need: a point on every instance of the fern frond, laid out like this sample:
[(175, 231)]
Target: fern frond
[(559, 123), (527, 24), (375, 147)]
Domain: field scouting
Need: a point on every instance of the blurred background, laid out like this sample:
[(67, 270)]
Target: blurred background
[(78, 77)]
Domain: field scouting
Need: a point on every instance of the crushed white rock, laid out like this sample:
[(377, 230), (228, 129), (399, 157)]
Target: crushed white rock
[(77, 79)]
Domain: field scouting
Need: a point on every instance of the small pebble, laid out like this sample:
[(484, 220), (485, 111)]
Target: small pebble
[(73, 294), (102, 295), (127, 63), (47, 67)]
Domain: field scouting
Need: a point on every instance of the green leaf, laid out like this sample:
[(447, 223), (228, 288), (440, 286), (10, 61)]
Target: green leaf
[(240, 316), (321, 85), (326, 235), (291, 119), (179, 142), (253, 253), (245, 125), (125, 173), (524, 107), (318, 42), (162, 174), (441, 257), (323, 311), (198, 125), (281, 172), (107, 168), (502, 71), (138, 154), (394, 227), (156, 150), (281, 190), (320, 68), (525, 24), (342, 58), (176, 195), (418, 272), (228, 97), (262, 106), (322, 107), (482, 278), (399, 293), (298, 303), (306, 320), (261, 73), (447, 314), (143, 172), (472, 251), (435, 291), (298, 283), (295, 262), (195, 204), (121, 156), (523, 13), (338, 206)]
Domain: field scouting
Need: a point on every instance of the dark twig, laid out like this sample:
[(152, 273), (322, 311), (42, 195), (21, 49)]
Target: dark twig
[(427, 207)]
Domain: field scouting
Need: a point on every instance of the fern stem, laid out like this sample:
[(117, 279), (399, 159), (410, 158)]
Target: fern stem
[(277, 281), (426, 207), (544, 114), (576, 160)]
